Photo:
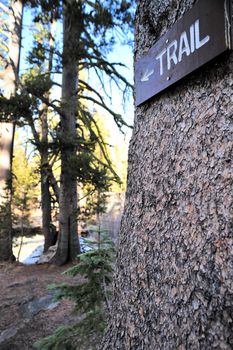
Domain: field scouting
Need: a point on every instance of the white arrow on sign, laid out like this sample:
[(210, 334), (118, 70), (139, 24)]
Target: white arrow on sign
[(147, 74)]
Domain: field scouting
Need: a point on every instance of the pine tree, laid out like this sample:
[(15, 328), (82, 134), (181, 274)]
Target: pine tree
[(89, 30), (78, 46), (92, 298), (85, 41), (41, 59)]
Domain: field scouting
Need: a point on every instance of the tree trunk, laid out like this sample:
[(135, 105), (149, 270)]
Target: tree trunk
[(45, 193), (174, 278), (47, 228), (6, 136), (68, 242), (7, 129)]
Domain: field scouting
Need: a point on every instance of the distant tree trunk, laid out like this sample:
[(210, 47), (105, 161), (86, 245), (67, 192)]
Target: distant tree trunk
[(7, 129), (47, 228), (68, 242), (6, 137), (45, 192), (174, 278)]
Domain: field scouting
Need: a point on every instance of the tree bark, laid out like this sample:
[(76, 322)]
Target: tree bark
[(174, 280), (47, 228), (68, 242), (45, 193), (7, 129)]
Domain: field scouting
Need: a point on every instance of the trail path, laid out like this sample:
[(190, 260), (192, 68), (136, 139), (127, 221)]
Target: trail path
[(27, 309)]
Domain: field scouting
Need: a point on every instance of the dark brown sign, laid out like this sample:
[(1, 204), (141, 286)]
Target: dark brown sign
[(202, 34)]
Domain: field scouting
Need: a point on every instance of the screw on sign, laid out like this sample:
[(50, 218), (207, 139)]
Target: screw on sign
[(189, 44)]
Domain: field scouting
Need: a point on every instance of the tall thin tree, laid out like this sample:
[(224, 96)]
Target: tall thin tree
[(10, 78), (41, 140), (68, 244), (87, 36)]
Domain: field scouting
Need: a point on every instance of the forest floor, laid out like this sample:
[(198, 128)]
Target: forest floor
[(28, 311)]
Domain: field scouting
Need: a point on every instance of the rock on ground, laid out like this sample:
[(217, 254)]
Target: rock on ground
[(27, 310)]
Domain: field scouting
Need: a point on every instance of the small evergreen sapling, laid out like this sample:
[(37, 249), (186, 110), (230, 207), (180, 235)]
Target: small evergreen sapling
[(92, 298)]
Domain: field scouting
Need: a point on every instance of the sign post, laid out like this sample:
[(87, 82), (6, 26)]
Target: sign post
[(201, 35)]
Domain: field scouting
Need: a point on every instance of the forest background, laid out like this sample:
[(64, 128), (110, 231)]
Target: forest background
[(65, 115), (66, 99)]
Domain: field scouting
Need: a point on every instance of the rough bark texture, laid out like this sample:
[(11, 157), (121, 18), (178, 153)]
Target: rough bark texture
[(174, 279), (10, 77), (68, 242)]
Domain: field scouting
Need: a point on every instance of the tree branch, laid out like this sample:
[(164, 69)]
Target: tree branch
[(117, 117), (88, 87), (35, 134), (100, 142), (4, 8), (53, 182)]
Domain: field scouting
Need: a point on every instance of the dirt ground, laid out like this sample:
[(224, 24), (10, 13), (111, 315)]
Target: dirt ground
[(27, 308)]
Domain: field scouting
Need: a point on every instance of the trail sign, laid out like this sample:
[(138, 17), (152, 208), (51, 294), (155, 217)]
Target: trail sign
[(202, 34)]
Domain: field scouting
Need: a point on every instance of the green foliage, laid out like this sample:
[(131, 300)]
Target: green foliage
[(93, 37), (75, 337), (5, 223), (25, 189), (17, 108), (92, 203), (36, 83), (95, 28), (40, 53), (5, 209), (92, 298)]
